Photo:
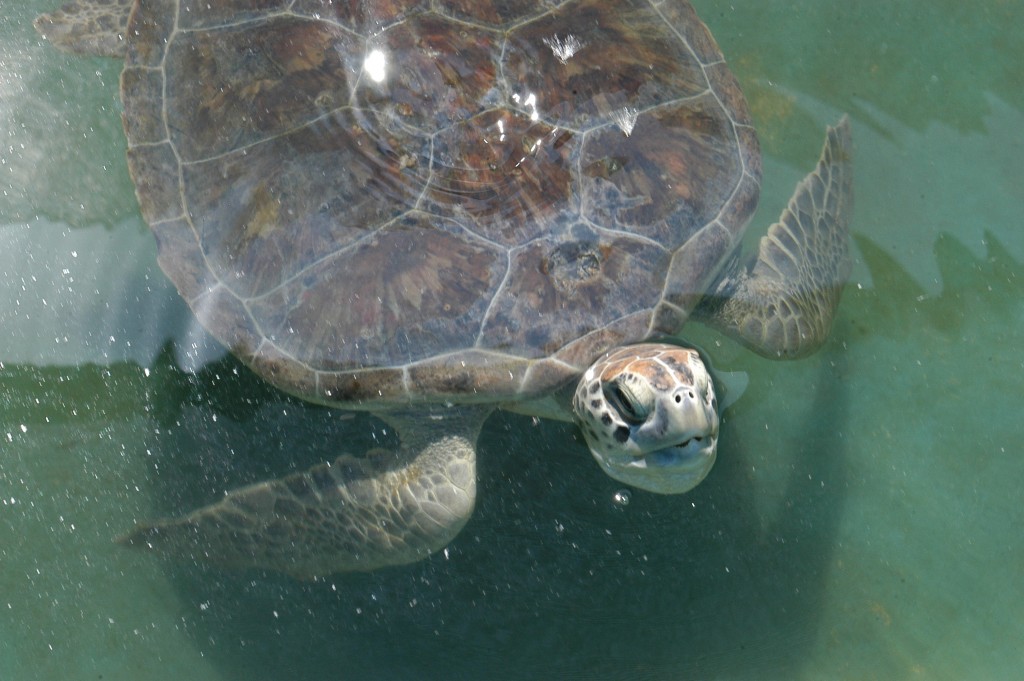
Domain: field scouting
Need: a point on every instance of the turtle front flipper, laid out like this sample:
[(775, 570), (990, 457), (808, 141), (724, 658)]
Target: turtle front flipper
[(88, 27), (355, 514), (781, 304)]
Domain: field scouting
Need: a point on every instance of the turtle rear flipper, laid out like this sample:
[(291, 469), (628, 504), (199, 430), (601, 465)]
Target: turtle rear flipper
[(355, 514), (88, 27), (782, 302)]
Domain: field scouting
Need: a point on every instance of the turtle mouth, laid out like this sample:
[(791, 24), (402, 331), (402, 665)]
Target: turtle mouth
[(690, 453), (674, 469)]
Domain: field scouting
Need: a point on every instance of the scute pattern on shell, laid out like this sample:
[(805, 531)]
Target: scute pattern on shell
[(391, 201)]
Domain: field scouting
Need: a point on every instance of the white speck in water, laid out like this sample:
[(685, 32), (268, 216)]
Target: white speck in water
[(622, 497)]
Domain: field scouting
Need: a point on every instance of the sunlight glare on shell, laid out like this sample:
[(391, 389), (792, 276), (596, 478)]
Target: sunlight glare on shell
[(375, 65)]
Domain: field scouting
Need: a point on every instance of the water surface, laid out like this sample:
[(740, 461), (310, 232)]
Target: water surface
[(863, 521)]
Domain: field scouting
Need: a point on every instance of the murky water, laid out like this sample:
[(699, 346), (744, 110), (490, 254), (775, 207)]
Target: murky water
[(863, 520)]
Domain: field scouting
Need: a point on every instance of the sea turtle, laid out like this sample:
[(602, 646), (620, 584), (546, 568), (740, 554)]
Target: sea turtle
[(432, 209)]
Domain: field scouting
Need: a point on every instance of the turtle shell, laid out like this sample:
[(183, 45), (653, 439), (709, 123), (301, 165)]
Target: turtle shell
[(451, 200)]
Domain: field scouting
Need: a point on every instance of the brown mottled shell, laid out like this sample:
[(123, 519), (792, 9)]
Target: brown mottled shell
[(388, 200)]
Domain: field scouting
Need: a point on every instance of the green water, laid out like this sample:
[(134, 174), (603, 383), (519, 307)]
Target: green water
[(864, 520)]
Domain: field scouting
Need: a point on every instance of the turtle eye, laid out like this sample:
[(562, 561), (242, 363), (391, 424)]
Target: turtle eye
[(623, 402)]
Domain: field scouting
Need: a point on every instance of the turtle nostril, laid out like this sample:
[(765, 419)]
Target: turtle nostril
[(679, 398)]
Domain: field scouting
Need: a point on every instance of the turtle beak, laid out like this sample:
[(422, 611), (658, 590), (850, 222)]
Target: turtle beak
[(676, 469), (669, 470)]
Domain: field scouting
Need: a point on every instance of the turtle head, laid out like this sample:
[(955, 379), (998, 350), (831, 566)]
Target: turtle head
[(650, 416)]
